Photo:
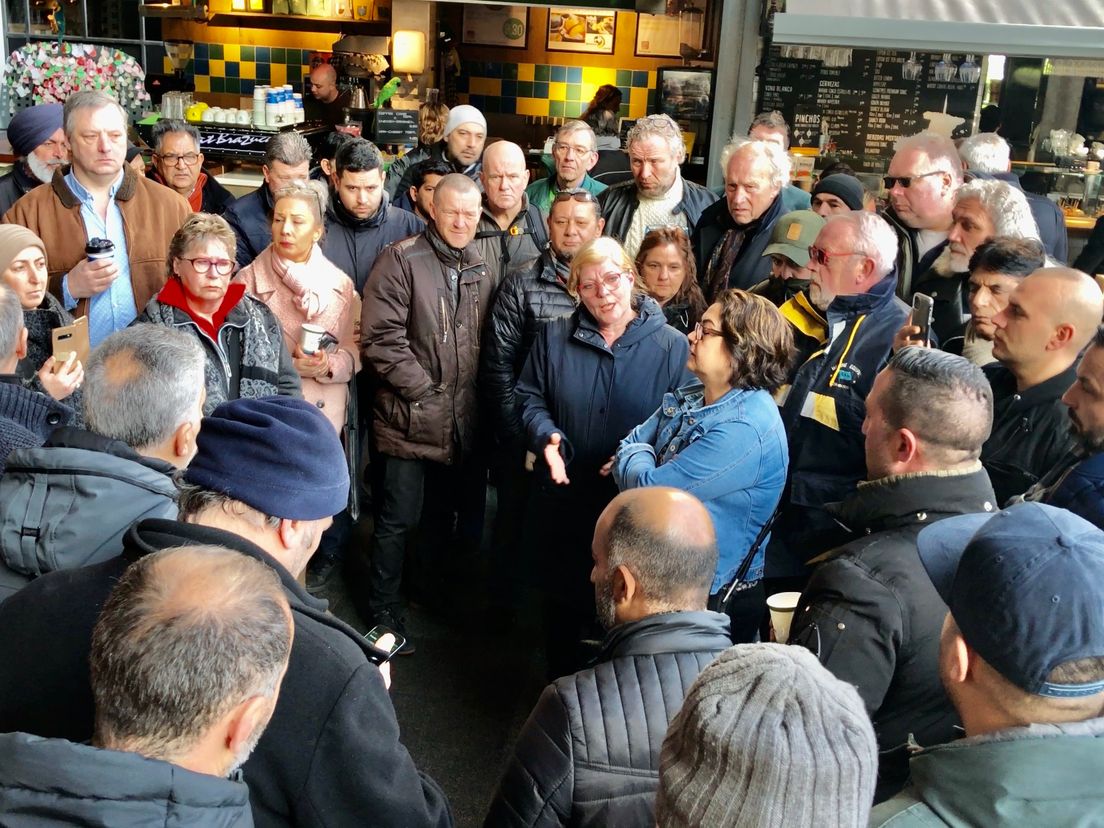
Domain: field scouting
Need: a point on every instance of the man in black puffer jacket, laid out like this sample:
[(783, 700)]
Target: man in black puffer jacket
[(361, 221), (589, 753)]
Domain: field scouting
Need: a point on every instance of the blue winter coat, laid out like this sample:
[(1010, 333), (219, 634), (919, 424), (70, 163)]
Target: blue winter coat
[(731, 455), (592, 395), (1082, 490)]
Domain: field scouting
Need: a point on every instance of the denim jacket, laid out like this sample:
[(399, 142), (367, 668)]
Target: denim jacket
[(731, 455)]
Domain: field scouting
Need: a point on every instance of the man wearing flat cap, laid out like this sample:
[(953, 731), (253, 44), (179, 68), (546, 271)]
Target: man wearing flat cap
[(268, 476), (1022, 658), (38, 142)]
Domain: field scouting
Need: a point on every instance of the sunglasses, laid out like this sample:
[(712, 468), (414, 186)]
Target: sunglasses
[(905, 181), (823, 257), (584, 196)]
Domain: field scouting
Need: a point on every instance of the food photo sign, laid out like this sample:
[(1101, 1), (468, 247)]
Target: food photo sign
[(581, 30)]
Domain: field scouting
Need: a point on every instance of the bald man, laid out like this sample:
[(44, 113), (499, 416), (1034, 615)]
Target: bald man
[(589, 753), (1051, 316), (326, 101), (511, 230), (425, 303)]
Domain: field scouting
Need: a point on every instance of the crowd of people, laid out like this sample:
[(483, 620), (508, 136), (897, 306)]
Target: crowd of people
[(684, 400)]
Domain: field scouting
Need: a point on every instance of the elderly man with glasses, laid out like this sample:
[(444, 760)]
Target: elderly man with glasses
[(850, 316), (924, 175), (178, 164), (574, 154)]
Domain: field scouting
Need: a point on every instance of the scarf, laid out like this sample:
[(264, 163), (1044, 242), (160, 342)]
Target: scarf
[(446, 253), (297, 277), (563, 268)]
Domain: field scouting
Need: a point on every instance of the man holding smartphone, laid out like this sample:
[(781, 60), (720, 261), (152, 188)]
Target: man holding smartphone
[(268, 476)]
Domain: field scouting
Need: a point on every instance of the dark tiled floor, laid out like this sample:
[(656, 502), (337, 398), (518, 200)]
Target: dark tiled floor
[(462, 697)]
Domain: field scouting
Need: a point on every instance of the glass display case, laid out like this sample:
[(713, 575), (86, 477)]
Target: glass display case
[(1076, 191)]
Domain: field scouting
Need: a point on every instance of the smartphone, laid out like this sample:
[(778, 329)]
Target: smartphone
[(71, 339), (922, 309), (383, 642)]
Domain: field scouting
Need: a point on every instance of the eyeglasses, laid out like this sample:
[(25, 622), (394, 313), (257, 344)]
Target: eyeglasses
[(202, 266), (563, 149), (700, 330), (609, 281), (823, 257), (189, 158), (584, 196), (906, 180)]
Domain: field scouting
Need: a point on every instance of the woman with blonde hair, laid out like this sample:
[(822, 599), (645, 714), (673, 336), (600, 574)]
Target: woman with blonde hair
[(302, 287), (589, 379)]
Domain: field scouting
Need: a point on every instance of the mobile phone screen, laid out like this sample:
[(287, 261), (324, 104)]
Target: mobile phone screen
[(385, 641)]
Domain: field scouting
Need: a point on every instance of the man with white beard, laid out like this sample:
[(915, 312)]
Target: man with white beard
[(983, 209), (38, 142)]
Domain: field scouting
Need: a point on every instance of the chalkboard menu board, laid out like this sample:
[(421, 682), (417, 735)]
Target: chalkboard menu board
[(866, 106), (396, 126)]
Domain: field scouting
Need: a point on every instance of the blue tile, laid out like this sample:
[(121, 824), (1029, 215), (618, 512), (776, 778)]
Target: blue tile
[(508, 106), (559, 74), (540, 90), (200, 51), (492, 70), (232, 69), (247, 86), (509, 88), (640, 79), (476, 101), (264, 72), (625, 93), (574, 74), (233, 85), (215, 51), (305, 57), (201, 67), (264, 55)]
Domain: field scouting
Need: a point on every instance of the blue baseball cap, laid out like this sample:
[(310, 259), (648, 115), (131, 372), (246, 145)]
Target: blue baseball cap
[(1024, 587)]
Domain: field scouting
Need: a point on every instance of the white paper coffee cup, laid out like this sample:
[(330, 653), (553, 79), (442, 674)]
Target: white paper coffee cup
[(782, 606), (310, 338)]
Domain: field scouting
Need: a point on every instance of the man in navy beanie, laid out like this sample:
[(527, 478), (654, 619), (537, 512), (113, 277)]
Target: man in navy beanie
[(268, 476), (38, 142)]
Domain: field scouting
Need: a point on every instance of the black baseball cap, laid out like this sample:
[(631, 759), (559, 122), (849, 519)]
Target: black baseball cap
[(1024, 587)]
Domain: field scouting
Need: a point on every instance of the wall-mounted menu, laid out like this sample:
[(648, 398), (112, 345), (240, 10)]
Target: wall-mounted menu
[(867, 105)]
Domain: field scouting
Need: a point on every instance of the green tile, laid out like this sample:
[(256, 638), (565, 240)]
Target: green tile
[(215, 51), (525, 89), (624, 77), (575, 108), (278, 55), (248, 52), (574, 91), (541, 72), (624, 110), (233, 85), (509, 71), (556, 109), (218, 84)]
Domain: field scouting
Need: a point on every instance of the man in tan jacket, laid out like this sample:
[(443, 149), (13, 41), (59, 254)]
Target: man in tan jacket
[(101, 197)]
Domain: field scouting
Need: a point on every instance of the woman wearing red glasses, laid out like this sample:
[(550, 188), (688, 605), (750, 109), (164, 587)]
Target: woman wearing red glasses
[(589, 379), (241, 338)]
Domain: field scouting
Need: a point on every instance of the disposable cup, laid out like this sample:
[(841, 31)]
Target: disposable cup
[(311, 338), (782, 606)]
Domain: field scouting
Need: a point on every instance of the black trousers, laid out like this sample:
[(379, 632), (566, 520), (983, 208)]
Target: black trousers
[(432, 495)]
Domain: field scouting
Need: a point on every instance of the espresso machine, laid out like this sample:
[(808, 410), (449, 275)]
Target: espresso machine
[(360, 62), (179, 53)]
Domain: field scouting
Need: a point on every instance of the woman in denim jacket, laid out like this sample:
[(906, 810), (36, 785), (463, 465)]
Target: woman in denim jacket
[(721, 439)]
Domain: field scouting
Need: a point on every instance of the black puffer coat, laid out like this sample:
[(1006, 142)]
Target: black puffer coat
[(589, 753), (872, 616), (531, 295)]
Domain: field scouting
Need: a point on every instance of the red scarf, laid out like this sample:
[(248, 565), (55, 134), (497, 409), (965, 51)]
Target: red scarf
[(195, 199), (173, 294)]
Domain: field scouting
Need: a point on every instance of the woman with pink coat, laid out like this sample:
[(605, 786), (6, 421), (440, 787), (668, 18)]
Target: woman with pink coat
[(301, 286)]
